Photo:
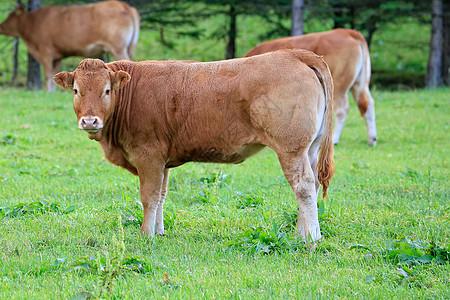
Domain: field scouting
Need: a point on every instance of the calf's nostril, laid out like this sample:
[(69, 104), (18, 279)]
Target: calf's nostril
[(94, 122)]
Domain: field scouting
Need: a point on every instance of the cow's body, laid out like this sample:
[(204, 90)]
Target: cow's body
[(52, 33), (174, 112), (347, 55)]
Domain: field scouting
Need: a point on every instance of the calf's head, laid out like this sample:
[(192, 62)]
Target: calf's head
[(10, 26), (94, 88)]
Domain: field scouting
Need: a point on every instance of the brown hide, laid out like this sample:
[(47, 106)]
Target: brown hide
[(52, 33), (173, 112), (347, 55)]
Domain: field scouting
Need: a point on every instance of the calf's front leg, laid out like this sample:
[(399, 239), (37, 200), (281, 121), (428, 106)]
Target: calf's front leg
[(159, 223), (151, 183)]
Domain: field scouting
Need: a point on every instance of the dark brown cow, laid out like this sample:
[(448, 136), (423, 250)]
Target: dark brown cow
[(346, 53), (155, 115), (52, 33)]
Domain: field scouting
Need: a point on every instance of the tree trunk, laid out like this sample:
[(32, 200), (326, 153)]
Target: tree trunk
[(15, 55), (161, 34), (446, 46), (338, 17), (297, 17), (15, 61), (434, 76), (34, 69), (231, 47), (371, 28)]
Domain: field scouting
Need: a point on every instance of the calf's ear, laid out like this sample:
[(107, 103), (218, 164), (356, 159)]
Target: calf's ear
[(20, 10), (64, 80), (119, 79)]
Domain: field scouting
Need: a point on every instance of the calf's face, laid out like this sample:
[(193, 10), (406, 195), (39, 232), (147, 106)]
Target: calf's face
[(10, 25), (94, 89)]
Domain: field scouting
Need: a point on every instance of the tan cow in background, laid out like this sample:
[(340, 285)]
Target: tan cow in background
[(52, 33), (347, 55), (155, 115)]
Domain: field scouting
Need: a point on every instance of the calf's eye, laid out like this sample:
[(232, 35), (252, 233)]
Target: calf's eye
[(107, 92), (75, 91)]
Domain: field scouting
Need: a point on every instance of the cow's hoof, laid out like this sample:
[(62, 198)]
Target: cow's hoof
[(311, 238), (373, 142), (312, 246)]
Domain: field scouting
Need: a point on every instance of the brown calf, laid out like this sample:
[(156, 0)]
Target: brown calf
[(155, 115), (52, 33), (347, 55)]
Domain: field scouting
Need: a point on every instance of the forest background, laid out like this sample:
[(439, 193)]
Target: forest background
[(399, 33)]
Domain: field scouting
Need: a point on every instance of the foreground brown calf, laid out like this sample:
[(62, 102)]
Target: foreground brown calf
[(52, 33), (155, 115), (347, 54)]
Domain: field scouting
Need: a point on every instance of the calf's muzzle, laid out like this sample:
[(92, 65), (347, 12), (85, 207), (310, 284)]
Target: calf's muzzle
[(90, 124)]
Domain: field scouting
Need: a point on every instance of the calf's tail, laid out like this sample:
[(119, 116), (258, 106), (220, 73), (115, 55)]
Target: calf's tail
[(326, 161), (136, 27)]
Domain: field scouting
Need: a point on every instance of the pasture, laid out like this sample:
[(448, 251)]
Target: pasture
[(70, 221)]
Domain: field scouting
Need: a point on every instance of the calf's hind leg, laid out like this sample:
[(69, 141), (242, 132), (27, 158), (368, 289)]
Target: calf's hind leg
[(120, 54), (341, 108), (298, 172), (364, 100)]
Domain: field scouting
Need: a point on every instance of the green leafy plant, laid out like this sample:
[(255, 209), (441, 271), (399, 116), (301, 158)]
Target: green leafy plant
[(248, 200), (409, 252), (410, 258), (40, 206), (209, 186), (220, 179), (205, 195), (109, 265), (8, 139), (262, 240)]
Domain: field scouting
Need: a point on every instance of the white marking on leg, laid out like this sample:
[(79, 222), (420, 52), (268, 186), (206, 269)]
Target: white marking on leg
[(369, 116), (159, 221), (339, 122)]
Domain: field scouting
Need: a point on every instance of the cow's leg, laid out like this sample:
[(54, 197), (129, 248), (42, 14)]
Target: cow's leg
[(151, 179), (313, 155), (48, 69), (55, 69), (364, 100), (159, 223), (120, 54), (298, 172), (341, 108), (51, 67)]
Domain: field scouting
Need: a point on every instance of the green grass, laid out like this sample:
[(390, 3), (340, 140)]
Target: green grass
[(53, 250)]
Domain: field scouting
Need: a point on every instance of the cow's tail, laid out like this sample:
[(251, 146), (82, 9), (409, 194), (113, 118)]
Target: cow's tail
[(326, 161), (363, 78), (136, 29)]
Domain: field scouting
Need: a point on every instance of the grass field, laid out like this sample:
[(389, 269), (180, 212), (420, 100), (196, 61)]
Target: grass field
[(70, 223)]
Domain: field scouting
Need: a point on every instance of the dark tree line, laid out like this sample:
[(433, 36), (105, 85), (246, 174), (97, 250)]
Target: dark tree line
[(366, 16)]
